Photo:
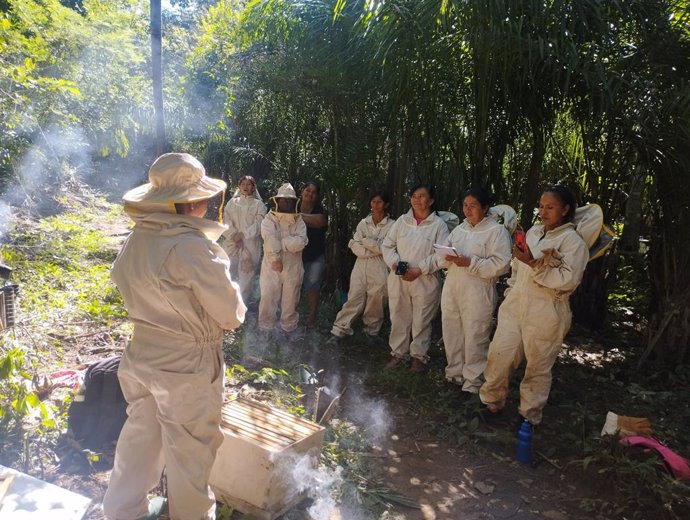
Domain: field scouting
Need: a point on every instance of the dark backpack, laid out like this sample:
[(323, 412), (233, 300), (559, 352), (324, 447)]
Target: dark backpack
[(96, 420)]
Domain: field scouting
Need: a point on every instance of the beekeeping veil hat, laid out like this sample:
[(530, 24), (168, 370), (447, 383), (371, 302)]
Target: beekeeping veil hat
[(174, 178), (286, 193)]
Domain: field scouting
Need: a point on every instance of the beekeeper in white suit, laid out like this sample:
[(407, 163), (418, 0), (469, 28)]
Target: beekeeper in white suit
[(176, 286), (535, 316), (414, 286), (285, 236), (368, 291), (469, 294), (242, 241)]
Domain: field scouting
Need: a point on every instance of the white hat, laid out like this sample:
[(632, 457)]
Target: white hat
[(286, 191), (173, 178)]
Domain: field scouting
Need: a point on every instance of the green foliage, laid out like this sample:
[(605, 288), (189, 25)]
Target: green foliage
[(282, 387), (63, 267), (74, 84), (640, 476), (344, 453), (22, 413), (629, 298), (61, 264)]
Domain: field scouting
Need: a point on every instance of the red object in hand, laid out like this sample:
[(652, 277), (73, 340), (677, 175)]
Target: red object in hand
[(520, 240)]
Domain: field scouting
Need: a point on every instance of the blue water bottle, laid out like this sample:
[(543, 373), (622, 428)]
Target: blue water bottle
[(524, 442)]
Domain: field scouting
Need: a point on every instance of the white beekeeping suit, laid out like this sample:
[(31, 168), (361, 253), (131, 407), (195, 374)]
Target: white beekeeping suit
[(176, 286), (534, 318), (368, 290), (469, 297), (413, 304), (285, 236), (243, 214)]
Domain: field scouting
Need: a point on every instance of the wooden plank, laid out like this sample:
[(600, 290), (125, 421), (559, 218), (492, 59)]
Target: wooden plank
[(5, 484)]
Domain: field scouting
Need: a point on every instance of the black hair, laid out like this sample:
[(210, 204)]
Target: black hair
[(430, 190), (384, 196), (566, 196), (481, 194), (312, 183)]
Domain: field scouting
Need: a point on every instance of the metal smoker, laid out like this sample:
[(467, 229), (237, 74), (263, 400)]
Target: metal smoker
[(8, 295)]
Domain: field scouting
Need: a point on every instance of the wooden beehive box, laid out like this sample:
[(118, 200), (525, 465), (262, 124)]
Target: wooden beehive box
[(253, 471)]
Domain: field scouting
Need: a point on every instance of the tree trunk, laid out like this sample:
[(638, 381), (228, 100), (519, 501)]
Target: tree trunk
[(630, 238), (397, 174), (157, 75), (531, 186), (669, 326)]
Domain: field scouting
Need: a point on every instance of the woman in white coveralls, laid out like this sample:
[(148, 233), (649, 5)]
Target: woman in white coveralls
[(414, 292), (535, 316), (469, 294), (369, 276), (243, 215), (176, 286), (285, 236)]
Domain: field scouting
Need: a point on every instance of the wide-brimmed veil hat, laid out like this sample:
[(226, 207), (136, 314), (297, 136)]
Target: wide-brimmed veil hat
[(174, 178)]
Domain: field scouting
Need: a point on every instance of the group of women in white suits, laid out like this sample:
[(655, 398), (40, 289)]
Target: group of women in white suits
[(397, 262), (290, 236), (399, 257)]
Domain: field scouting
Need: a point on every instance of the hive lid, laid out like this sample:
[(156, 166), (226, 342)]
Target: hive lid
[(268, 427)]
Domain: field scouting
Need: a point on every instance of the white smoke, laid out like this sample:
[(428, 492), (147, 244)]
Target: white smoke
[(5, 214), (302, 475)]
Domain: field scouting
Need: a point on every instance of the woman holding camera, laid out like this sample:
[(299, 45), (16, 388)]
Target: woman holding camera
[(535, 316), (414, 287), (469, 295)]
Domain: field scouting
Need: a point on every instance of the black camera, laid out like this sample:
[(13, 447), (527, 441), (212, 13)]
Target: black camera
[(402, 268)]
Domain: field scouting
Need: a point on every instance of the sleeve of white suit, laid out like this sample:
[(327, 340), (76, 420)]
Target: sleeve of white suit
[(498, 255), (356, 244), (296, 242), (254, 228), (206, 269), (574, 256), (513, 265), (389, 247), (430, 264), (227, 220), (372, 245), (441, 261), (272, 245)]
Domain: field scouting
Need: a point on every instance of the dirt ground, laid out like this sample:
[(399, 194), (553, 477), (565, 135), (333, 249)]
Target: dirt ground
[(449, 481), (452, 483)]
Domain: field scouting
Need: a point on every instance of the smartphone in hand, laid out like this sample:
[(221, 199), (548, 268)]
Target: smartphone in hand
[(402, 268), (520, 240)]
